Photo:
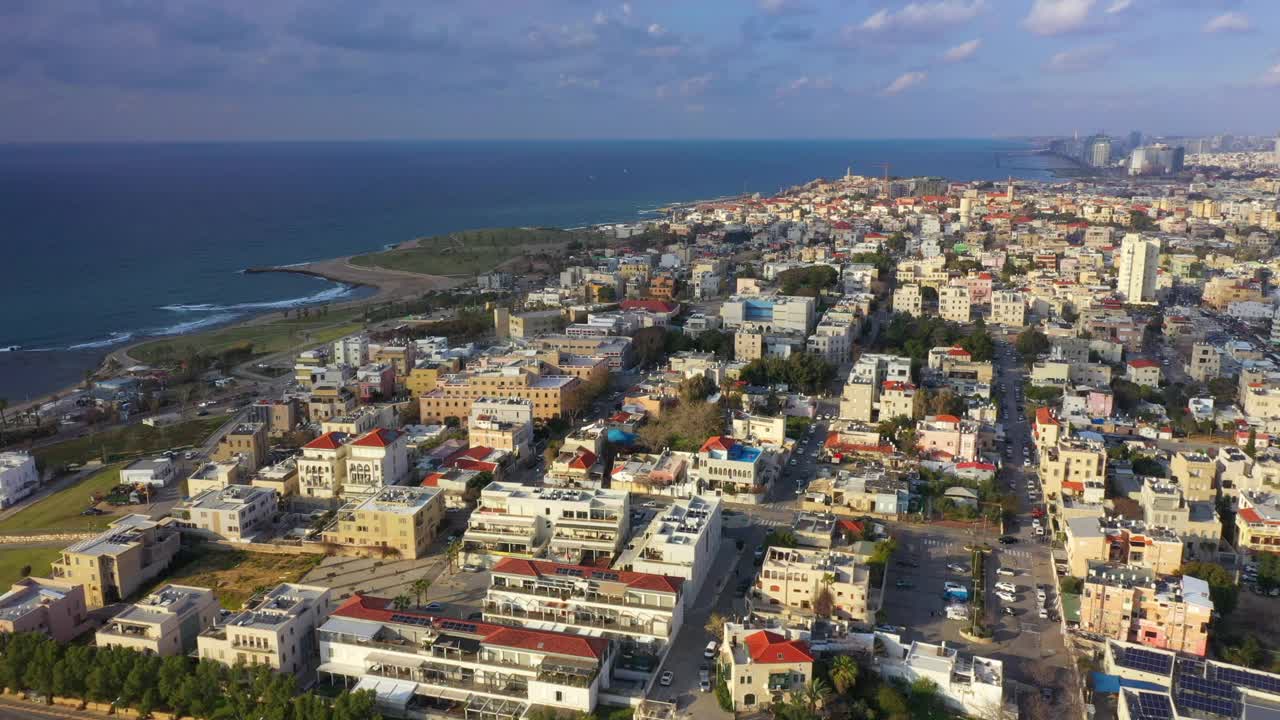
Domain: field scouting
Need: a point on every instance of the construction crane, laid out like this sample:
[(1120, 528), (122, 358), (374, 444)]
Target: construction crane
[(885, 167)]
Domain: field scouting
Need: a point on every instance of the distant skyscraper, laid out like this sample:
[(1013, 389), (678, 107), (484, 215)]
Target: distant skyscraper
[(1158, 159), (1097, 151), (1139, 259), (1278, 149)]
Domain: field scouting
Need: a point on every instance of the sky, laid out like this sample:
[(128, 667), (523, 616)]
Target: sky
[(158, 70)]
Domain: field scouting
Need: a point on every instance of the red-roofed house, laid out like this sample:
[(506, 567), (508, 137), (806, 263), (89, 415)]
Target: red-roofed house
[(1258, 522), (1046, 430), (657, 307), (368, 643), (1143, 372), (764, 667), (322, 468), (379, 457), (947, 437), (579, 467), (586, 599)]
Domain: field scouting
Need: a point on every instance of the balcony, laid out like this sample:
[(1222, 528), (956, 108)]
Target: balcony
[(572, 617), (587, 596), (523, 533), (504, 686)]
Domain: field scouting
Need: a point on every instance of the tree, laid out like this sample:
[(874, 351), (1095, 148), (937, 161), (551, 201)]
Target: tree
[(420, 588), (824, 601), (715, 626), (1031, 343), (1251, 447), (1222, 587), (401, 602), (452, 552), (844, 673), (696, 389)]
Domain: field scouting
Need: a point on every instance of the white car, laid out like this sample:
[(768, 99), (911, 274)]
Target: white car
[(1040, 595), (1044, 614), (1007, 597), (667, 677), (1007, 587), (1007, 572)]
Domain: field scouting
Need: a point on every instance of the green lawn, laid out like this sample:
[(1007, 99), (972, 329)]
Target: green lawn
[(266, 338), (130, 439), (13, 560), (61, 510), (470, 252)]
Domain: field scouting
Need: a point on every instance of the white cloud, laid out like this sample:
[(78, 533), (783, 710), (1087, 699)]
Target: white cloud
[(925, 15), (962, 52), (905, 81), (655, 29), (1119, 6), (1081, 59), (1271, 78), (1054, 17), (1228, 22), (805, 82), (783, 7)]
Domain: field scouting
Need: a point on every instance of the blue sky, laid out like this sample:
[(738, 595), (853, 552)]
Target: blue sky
[(356, 69)]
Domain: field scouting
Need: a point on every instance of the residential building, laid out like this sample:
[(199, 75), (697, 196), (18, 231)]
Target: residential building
[(1196, 474), (1258, 522), (375, 460), (164, 623), (1143, 372), (352, 351), (515, 438), (498, 671), (246, 442), (731, 468), (403, 521), (763, 667), (1205, 363), (640, 612), (1076, 460), (947, 437), (972, 686), (1118, 542), (552, 396), (860, 398), (280, 416), (322, 467), (1009, 309), (804, 584), (1133, 606), (564, 524), (682, 542), (276, 629), (156, 472), (954, 304), (759, 428), (118, 562), (908, 299), (617, 351), (523, 326), (770, 312), (900, 399), (1139, 260), (401, 358), (236, 513), (18, 476), (48, 606), (326, 401), (1164, 505)]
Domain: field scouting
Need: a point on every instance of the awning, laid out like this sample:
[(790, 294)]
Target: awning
[(391, 694), (446, 693), (377, 658), (352, 671), (359, 629)]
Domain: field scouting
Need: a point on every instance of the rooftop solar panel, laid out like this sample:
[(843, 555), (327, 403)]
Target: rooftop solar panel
[(1145, 660), (1150, 706), (1204, 703), (1258, 681), (411, 620)]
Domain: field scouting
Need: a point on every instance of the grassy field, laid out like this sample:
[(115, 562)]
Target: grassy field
[(266, 338), (13, 560), (468, 253), (129, 439), (61, 510), (234, 575)]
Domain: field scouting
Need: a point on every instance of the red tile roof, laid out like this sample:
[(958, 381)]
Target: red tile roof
[(377, 437), (1044, 416), (1073, 485), (946, 419), (543, 568), (583, 460), (1143, 363), (328, 441), (653, 306), (975, 465), (1250, 515), (364, 607), (718, 442), (771, 648)]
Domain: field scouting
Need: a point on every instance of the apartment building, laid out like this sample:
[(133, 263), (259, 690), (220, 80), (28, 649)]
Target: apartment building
[(402, 520), (1009, 309), (1205, 363), (48, 606), (563, 524), (618, 352), (1258, 522), (803, 584), (1134, 606), (972, 686), (156, 472), (362, 419), (1143, 372), (116, 563), (235, 513), (322, 467), (1138, 261), (164, 623), (375, 460), (908, 299), (421, 661), (327, 401), (18, 477), (1077, 460), (276, 629), (832, 341), (954, 304), (1196, 474), (640, 612), (900, 399), (947, 436), (400, 357), (772, 313), (682, 541), (763, 667), (731, 468), (246, 442), (1164, 504), (1260, 401), (860, 398), (551, 395), (213, 476), (1118, 542), (759, 428), (352, 351)]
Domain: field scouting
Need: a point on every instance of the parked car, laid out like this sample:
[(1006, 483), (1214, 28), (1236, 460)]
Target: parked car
[(901, 584), (1007, 597), (1007, 572), (433, 607), (1007, 587), (667, 677), (1008, 540)]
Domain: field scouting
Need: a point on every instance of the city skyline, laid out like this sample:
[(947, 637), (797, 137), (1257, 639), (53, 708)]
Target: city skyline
[(134, 70)]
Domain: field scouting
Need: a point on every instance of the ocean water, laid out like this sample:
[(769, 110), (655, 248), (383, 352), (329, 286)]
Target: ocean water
[(103, 244)]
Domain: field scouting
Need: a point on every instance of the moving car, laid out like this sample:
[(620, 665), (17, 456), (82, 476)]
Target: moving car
[(667, 677), (1008, 540), (957, 568), (904, 584)]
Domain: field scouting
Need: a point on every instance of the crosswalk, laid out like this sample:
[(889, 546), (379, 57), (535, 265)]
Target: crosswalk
[(949, 547), (765, 522)]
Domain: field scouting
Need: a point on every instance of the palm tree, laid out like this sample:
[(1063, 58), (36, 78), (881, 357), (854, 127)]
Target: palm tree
[(401, 602), (844, 673), (420, 587), (815, 694), (4, 405), (452, 552)]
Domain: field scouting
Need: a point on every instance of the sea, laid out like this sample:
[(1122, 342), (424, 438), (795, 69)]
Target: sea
[(105, 244)]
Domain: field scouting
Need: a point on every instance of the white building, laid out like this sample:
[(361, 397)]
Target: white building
[(352, 351), (1138, 261), (563, 524), (376, 459), (236, 512), (156, 472), (973, 686), (954, 303), (322, 468), (681, 542), (773, 312), (277, 629), (18, 477)]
